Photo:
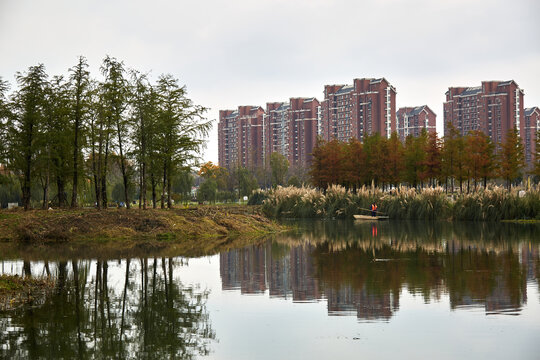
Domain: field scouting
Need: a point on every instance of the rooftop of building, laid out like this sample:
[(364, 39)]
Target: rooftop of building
[(531, 110), (505, 83), (345, 89), (376, 81), (412, 111), (283, 106), (471, 91)]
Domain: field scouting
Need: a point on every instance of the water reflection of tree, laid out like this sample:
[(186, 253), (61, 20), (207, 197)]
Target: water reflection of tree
[(364, 268), (150, 314)]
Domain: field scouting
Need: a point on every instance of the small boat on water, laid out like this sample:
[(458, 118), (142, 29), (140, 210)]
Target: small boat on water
[(369, 217)]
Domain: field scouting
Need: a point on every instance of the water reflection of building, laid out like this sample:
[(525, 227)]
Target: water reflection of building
[(279, 279), (487, 274), (253, 270), (341, 301), (503, 299), (243, 269), (365, 305), (304, 285), (376, 306), (529, 253)]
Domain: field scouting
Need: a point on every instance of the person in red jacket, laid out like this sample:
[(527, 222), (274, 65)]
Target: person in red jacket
[(373, 209)]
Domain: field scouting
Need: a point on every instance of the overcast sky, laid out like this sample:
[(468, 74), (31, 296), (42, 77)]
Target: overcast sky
[(250, 52)]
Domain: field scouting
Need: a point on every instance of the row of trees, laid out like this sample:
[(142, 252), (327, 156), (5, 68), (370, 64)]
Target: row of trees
[(67, 130), (221, 184), (422, 160)]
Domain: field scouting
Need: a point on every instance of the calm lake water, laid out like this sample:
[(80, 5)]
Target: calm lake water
[(331, 290)]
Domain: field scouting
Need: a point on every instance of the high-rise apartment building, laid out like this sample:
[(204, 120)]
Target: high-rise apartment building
[(276, 129), (531, 127), (411, 121), (240, 137), (366, 107), (495, 107), (291, 129)]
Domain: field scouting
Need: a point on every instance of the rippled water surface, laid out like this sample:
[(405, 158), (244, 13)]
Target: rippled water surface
[(330, 290)]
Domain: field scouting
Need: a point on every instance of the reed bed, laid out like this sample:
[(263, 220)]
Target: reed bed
[(402, 203)]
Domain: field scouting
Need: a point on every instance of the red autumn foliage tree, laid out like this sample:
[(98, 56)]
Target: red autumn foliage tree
[(479, 157), (432, 161), (510, 158)]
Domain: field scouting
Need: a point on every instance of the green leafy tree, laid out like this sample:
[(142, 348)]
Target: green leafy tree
[(79, 87), (98, 141), (56, 145), (115, 95), (279, 166), (246, 182), (143, 105), (294, 181), (5, 117), (207, 190), (182, 184), (24, 131), (181, 129)]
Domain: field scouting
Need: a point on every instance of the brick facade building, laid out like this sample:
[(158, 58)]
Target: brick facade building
[(531, 127), (495, 107), (276, 129), (291, 129), (366, 107), (240, 137), (247, 136), (411, 121)]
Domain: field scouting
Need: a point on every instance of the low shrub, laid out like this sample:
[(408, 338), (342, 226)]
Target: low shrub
[(257, 197)]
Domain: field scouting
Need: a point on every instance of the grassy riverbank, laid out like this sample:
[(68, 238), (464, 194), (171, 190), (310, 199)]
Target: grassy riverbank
[(428, 204), (192, 231)]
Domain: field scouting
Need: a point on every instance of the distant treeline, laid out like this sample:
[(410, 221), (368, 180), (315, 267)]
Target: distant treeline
[(72, 135), (424, 160)]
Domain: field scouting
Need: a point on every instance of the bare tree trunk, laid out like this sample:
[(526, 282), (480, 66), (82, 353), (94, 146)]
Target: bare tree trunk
[(164, 185), (26, 185), (123, 165), (140, 186), (47, 269), (27, 268), (62, 200), (154, 199), (80, 346), (74, 203), (124, 298), (96, 165), (104, 198), (143, 187), (169, 186), (45, 205)]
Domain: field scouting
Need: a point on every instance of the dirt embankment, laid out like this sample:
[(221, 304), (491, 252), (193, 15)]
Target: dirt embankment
[(191, 231)]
